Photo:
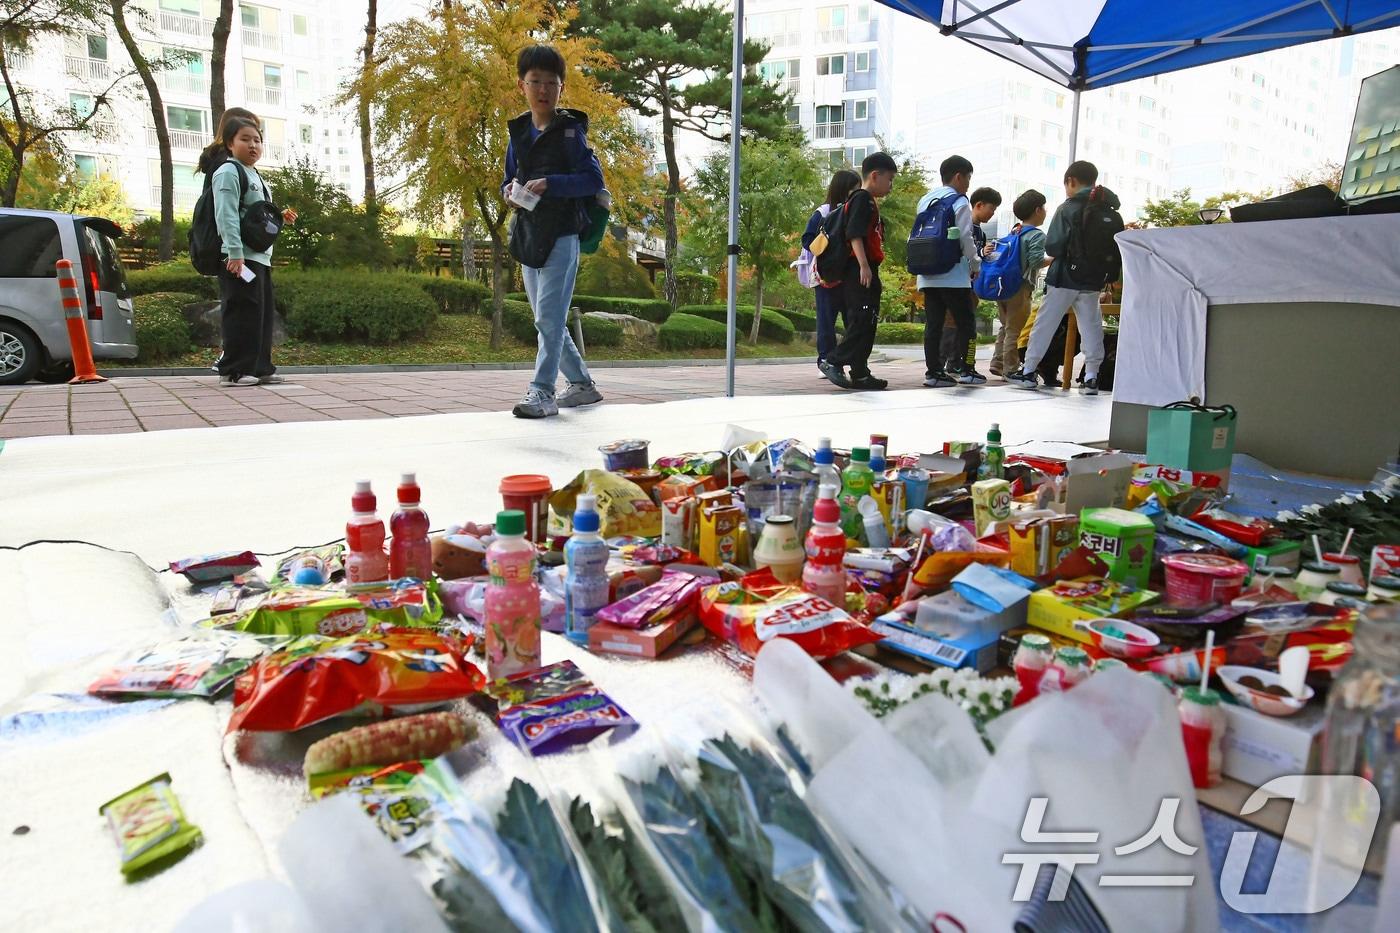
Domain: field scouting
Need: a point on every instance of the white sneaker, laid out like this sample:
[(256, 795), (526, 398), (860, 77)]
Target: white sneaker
[(238, 380), (535, 404), (579, 393)]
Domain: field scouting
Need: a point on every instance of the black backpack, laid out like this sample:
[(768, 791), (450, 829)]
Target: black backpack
[(831, 248), (259, 224), (1094, 260)]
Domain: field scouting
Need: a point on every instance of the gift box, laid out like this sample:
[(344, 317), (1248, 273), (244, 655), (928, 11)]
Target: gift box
[(646, 642), (949, 631), (1056, 608), (1191, 437)]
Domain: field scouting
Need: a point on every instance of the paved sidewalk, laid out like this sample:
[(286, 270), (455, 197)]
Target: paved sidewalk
[(155, 403)]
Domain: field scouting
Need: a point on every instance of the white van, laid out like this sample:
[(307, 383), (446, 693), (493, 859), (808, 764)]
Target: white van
[(33, 336)]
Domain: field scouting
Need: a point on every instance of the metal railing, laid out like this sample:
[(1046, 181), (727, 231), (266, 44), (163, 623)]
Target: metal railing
[(186, 25), (257, 39), (179, 139), (830, 131), (20, 61), (79, 67), (101, 131), (792, 85), (832, 36), (182, 82), (274, 152), (184, 200), (267, 96)]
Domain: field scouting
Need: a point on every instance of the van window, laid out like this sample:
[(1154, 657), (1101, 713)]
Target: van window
[(29, 247), (110, 276)]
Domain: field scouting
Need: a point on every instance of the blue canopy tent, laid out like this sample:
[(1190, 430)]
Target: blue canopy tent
[(1086, 44)]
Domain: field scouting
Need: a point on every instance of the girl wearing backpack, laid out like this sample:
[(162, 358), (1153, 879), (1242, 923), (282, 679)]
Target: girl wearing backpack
[(247, 225), (829, 304)]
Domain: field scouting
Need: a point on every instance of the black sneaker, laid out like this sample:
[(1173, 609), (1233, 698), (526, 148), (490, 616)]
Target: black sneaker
[(834, 374), (971, 377), (940, 380), (1022, 379), (870, 384), (1090, 386)]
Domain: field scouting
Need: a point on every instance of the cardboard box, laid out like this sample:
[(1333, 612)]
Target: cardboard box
[(1191, 438), (949, 631), (1285, 554), (1038, 545), (724, 536), (1094, 483), (1123, 539), (1259, 748), (1056, 608), (648, 642)]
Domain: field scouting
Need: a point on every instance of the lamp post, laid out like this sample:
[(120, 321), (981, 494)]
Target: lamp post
[(1209, 215)]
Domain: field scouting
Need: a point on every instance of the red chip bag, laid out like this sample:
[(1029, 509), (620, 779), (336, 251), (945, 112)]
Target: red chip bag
[(759, 608), (374, 673)]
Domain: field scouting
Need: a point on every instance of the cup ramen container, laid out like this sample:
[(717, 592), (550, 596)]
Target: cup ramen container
[(1033, 656), (1197, 579), (630, 454), (529, 493), (1349, 565), (780, 549), (1338, 591), (1313, 579), (1203, 734), (1384, 589)]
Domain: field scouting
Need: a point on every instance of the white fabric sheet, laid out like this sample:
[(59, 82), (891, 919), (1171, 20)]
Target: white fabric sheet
[(1171, 275)]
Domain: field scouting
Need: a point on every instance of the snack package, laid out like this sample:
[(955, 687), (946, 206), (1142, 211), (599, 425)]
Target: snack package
[(458, 554), (387, 795), (1248, 531), (681, 486), (625, 509), (410, 738), (467, 598), (673, 596), (317, 678), (201, 664), (215, 568), (406, 602), (706, 464), (303, 611), (1326, 632), (150, 826), (331, 557), (723, 536), (759, 608), (939, 568), (554, 707)]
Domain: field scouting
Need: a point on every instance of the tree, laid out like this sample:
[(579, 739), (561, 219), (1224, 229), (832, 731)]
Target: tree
[(1329, 173), (777, 192), (223, 25), (318, 202), (658, 44), (32, 122), (362, 103), (1179, 209), (147, 69), (451, 145), (97, 195)]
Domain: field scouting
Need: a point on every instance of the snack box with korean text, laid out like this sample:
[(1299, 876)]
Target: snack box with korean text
[(1055, 609), (1123, 539), (1038, 545), (647, 642)]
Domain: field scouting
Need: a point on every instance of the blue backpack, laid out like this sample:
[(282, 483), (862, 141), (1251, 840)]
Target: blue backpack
[(1000, 276), (930, 251)]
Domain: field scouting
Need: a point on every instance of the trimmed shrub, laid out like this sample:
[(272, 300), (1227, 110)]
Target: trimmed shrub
[(332, 306), (161, 328), (773, 326), (688, 332), (518, 321), (611, 272), (804, 322), (695, 288), (897, 332), (648, 309), (600, 333), (454, 296), (176, 276)]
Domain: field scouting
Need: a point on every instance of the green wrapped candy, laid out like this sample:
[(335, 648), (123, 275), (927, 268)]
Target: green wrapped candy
[(150, 827)]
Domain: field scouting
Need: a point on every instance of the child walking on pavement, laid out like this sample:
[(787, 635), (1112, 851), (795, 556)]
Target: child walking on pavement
[(828, 297), (551, 177), (1062, 290), (950, 294), (860, 283), (1029, 209)]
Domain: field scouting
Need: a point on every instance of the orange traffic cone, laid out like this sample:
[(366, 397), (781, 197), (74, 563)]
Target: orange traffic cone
[(84, 371)]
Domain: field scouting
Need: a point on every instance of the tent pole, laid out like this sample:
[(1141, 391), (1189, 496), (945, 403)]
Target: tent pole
[(1074, 129), (735, 105)]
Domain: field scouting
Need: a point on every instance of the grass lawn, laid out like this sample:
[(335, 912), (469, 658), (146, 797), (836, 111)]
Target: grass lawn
[(464, 338)]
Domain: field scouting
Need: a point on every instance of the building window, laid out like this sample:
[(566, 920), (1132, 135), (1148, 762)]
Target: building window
[(1054, 100), (862, 61), (1144, 159), (272, 75), (188, 7), (299, 24), (836, 158), (82, 104), (862, 12), (794, 115), (831, 122), (304, 81), (831, 20), (1146, 103), (780, 29), (1144, 131), (858, 154), (304, 134), (1019, 124), (831, 65), (97, 47), (862, 110), (185, 118), (1052, 132), (1020, 156), (86, 166), (1257, 79), (1048, 161), (249, 16)]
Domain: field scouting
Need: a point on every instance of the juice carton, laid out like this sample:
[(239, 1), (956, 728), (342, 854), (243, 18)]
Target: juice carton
[(889, 496), (1123, 539), (1038, 545), (723, 536), (1056, 608), (678, 522), (991, 503)]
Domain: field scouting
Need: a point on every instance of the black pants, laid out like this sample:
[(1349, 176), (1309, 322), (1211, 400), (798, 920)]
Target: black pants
[(862, 311), (246, 322), (938, 303)]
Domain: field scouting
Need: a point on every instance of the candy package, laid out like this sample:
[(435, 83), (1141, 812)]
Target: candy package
[(759, 608), (201, 664), (150, 826), (331, 611), (215, 568), (557, 706), (675, 594), (330, 558), (316, 678), (625, 509), (388, 796)]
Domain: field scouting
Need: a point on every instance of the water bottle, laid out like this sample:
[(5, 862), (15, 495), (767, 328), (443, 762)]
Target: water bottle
[(410, 553), (365, 561), (825, 465), (993, 464), (586, 587), (877, 459)]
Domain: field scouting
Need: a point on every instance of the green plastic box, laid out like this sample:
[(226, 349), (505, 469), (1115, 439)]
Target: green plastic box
[(1123, 539), (1191, 438), (1285, 554)]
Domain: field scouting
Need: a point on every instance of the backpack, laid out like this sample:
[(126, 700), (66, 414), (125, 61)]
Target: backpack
[(1094, 260), (206, 246), (930, 251), (1000, 276), (831, 248), (806, 264)]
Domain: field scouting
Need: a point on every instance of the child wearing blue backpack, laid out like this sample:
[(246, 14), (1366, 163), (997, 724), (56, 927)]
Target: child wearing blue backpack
[(1008, 277), (943, 254)]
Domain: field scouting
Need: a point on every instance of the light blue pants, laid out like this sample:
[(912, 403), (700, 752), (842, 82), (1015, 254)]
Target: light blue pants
[(1088, 317), (550, 290)]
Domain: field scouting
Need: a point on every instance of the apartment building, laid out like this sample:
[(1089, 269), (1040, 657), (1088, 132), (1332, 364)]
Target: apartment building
[(286, 62), (838, 61)]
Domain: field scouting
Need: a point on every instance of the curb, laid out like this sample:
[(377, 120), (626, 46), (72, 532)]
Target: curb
[(453, 367)]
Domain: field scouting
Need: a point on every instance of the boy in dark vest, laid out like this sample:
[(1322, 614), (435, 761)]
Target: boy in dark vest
[(551, 177)]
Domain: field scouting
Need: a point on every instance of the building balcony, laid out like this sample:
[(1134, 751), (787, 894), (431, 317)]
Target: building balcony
[(182, 82), (274, 152), (832, 36), (101, 131), (184, 200), (86, 68), (186, 26), (829, 131), (791, 86), (20, 61), (865, 32), (179, 139), (861, 80), (265, 96), (257, 39)]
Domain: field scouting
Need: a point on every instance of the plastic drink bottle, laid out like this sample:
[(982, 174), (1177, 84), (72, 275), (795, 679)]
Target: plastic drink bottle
[(1203, 726), (410, 553), (586, 586), (857, 481), (512, 609), (824, 574), (993, 456), (1033, 656), (877, 459), (365, 561), (825, 465)]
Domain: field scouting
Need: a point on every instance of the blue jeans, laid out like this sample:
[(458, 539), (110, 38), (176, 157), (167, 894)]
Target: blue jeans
[(550, 290), (829, 306)]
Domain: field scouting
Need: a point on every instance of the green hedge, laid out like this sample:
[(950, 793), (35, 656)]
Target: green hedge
[(773, 326), (600, 333), (177, 276), (338, 305), (453, 296), (805, 322), (518, 320), (897, 332), (648, 309), (695, 288), (161, 329), (684, 331)]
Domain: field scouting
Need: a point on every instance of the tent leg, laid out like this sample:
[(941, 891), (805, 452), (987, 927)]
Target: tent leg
[(1074, 130), (736, 105)]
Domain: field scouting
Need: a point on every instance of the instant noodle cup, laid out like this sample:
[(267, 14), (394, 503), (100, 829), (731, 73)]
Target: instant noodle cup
[(630, 454), (1197, 579), (529, 493)]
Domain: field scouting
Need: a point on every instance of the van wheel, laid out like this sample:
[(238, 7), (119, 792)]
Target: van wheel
[(20, 356), (56, 373)]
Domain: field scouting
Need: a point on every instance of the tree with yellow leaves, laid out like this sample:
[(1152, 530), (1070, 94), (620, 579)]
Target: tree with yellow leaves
[(445, 87)]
